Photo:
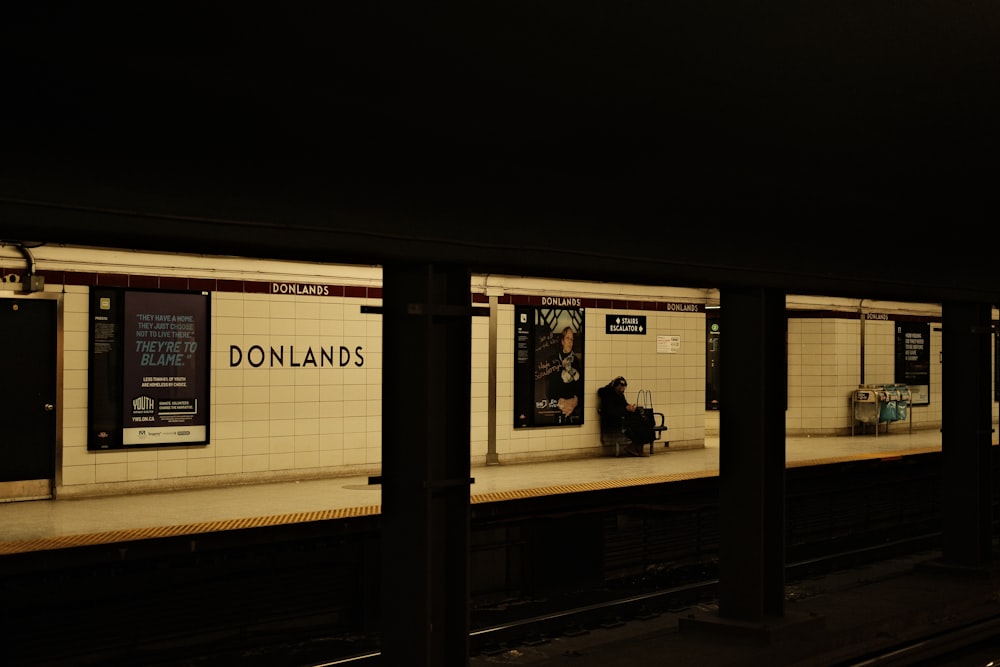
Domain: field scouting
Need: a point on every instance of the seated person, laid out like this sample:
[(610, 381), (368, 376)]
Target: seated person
[(615, 408)]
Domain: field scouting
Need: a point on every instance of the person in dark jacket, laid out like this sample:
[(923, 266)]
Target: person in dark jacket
[(615, 407)]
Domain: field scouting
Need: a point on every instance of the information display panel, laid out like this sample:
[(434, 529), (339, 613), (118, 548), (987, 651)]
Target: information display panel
[(548, 366), (149, 368), (913, 367)]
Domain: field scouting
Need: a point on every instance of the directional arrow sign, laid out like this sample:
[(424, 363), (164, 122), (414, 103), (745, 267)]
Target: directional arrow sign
[(625, 324)]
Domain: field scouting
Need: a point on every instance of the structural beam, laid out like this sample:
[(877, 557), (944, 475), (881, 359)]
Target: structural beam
[(426, 357), (752, 454), (966, 434)]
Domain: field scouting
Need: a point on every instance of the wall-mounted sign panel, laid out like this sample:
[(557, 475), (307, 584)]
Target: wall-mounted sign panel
[(149, 368), (669, 344), (548, 366), (625, 324), (712, 352), (913, 357)]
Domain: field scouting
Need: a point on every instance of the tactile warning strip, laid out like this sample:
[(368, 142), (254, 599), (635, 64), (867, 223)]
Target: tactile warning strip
[(496, 496), (898, 454), (133, 534)]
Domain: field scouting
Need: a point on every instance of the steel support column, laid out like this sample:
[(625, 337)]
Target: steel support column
[(966, 434), (426, 372), (752, 454)]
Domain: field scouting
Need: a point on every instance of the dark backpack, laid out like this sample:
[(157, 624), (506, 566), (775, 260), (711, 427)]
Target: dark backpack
[(639, 426)]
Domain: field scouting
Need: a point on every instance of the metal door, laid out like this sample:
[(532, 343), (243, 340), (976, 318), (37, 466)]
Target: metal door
[(28, 409)]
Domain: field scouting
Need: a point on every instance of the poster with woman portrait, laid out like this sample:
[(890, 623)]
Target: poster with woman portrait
[(549, 368)]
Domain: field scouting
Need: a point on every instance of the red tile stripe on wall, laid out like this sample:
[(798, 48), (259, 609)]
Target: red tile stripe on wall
[(192, 284), (264, 287)]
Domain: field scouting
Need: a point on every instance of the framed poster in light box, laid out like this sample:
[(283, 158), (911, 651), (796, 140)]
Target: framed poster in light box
[(548, 366), (149, 368), (913, 367)]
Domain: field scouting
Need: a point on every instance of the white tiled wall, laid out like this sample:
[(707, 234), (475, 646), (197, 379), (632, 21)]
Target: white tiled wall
[(676, 384), (823, 369), (880, 342), (78, 465), (279, 422), (825, 366), (265, 422), (825, 359), (281, 417)]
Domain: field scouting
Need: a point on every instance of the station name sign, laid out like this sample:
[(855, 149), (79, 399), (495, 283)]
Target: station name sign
[(571, 302), (625, 324), (301, 289)]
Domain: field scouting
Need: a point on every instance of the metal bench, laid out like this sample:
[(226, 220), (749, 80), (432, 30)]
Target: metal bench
[(614, 435)]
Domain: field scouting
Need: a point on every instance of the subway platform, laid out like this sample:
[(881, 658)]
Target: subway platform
[(39, 525), (840, 619)]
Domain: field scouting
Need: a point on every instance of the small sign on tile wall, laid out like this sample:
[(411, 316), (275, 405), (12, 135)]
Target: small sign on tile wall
[(668, 344)]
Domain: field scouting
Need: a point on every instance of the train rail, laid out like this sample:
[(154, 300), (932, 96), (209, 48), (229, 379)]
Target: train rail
[(305, 595)]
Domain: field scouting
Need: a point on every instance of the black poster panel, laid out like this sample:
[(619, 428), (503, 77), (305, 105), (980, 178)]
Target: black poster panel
[(105, 375), (524, 360), (913, 359), (712, 379), (149, 368), (165, 368), (549, 368)]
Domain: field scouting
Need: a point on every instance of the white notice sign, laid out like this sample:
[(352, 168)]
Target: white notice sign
[(668, 344)]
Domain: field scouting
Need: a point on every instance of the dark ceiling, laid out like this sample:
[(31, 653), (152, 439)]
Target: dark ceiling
[(818, 146)]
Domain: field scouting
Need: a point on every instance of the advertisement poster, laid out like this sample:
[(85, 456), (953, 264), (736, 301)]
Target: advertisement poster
[(549, 364), (149, 368), (913, 359)]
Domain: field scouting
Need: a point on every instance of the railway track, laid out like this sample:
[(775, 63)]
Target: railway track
[(311, 597)]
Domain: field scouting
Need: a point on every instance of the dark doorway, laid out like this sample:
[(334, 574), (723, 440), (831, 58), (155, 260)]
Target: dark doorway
[(28, 338)]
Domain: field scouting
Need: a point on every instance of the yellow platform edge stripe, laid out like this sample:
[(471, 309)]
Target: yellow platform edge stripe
[(133, 534)]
